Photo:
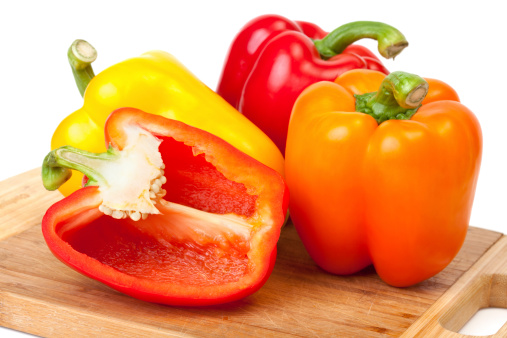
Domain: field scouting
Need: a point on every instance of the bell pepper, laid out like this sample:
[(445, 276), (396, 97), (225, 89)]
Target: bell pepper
[(170, 213), (273, 59), (389, 175), (157, 83)]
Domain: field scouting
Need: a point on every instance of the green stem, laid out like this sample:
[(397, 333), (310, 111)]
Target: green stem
[(81, 54), (390, 40), (399, 97), (57, 165)]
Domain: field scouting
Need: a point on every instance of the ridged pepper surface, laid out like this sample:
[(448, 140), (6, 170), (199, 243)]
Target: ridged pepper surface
[(386, 177)]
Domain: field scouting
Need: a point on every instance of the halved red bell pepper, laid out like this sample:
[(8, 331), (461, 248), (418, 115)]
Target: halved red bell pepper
[(170, 213), (273, 59)]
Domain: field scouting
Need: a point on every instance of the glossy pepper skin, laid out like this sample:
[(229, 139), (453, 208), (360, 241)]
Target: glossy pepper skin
[(172, 258), (396, 194), (272, 59), (157, 83)]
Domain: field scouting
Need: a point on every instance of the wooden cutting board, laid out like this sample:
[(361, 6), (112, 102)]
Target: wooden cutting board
[(42, 296)]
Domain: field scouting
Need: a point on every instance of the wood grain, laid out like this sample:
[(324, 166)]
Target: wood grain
[(483, 285), (23, 200), (42, 296)]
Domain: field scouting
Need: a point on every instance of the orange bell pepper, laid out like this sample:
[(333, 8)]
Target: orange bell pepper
[(389, 179)]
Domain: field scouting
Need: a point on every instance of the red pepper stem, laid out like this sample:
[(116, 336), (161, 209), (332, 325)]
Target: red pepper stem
[(81, 54), (57, 165), (399, 97), (390, 40)]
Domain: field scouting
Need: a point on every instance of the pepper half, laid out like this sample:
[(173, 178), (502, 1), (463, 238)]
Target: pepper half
[(389, 176), (272, 59), (156, 83), (170, 213)]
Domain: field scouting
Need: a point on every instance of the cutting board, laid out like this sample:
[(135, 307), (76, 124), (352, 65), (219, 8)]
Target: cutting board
[(42, 296)]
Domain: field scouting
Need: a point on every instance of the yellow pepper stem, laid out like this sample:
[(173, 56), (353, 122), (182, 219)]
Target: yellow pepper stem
[(81, 54)]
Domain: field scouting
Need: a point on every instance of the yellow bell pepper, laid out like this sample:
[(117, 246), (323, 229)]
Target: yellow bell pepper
[(157, 83)]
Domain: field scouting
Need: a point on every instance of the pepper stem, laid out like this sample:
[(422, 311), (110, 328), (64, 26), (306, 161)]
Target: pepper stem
[(399, 97), (57, 165), (81, 54), (390, 40)]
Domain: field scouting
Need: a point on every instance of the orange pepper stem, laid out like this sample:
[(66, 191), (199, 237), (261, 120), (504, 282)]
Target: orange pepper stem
[(399, 97), (390, 40), (81, 54)]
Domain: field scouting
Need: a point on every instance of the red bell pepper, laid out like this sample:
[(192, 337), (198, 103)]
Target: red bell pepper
[(273, 59), (170, 213)]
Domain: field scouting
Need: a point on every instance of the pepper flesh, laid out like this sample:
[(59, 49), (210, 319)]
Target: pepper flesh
[(157, 83), (398, 195), (272, 59), (214, 240)]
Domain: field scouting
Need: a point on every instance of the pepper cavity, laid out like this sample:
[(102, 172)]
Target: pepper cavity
[(130, 182)]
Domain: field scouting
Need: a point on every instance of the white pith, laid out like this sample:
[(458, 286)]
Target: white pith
[(132, 182)]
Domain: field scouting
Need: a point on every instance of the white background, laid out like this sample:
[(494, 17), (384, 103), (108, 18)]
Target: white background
[(461, 43)]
